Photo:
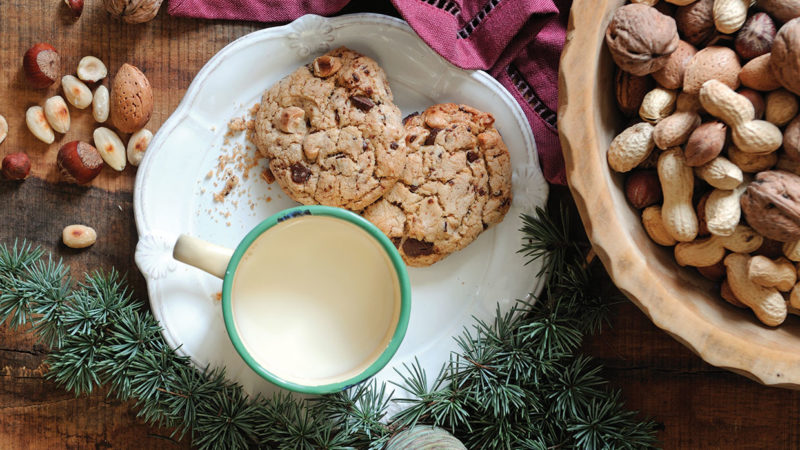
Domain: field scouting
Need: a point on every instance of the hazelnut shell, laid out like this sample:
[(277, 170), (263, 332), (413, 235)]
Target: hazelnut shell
[(79, 162)]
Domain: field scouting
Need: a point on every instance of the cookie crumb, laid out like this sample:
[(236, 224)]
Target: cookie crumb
[(218, 296), (230, 183), (236, 125)]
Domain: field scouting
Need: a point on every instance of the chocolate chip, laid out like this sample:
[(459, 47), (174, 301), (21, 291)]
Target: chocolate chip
[(300, 173), (362, 103), (364, 145), (408, 117), (481, 192), (355, 77), (413, 188), (393, 145), (432, 136), (412, 138), (414, 247), (472, 156)]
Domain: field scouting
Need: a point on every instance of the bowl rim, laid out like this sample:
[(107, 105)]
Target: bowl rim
[(577, 90)]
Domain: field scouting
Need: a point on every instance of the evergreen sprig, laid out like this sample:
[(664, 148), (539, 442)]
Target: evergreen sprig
[(515, 382)]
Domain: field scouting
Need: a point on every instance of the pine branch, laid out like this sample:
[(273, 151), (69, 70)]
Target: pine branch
[(516, 381)]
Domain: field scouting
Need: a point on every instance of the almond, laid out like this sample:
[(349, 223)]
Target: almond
[(57, 114), (3, 129), (78, 236), (100, 104), (110, 147), (91, 69), (131, 102), (720, 63), (757, 74), (38, 125), (137, 145), (77, 93)]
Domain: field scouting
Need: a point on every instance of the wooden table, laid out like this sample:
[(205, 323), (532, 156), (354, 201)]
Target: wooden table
[(695, 404)]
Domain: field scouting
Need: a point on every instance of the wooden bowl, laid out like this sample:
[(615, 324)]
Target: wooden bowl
[(677, 300)]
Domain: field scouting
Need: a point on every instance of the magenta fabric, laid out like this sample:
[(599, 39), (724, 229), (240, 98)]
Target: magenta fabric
[(518, 42)]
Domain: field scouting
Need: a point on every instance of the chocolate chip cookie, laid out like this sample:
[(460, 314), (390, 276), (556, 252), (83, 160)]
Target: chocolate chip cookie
[(456, 183), (331, 132)]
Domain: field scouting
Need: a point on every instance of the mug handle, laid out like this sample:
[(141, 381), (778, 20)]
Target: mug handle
[(204, 255)]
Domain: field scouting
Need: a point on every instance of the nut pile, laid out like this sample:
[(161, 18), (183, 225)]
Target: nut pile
[(712, 158), (127, 107)]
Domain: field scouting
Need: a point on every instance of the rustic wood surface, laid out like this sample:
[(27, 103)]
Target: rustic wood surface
[(697, 405)]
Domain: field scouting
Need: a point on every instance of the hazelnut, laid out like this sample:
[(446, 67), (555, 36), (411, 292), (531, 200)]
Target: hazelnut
[(641, 39), (643, 189), (91, 69), (785, 60), (75, 7), (756, 36), (291, 120), (326, 65), (16, 166), (42, 65), (79, 162)]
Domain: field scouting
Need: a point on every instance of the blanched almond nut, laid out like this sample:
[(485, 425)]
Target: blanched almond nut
[(110, 147), (57, 114), (137, 145), (291, 120), (100, 104), (326, 65), (91, 69), (3, 129), (38, 125), (78, 236), (77, 93)]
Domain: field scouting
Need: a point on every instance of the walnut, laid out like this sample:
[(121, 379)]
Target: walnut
[(696, 22), (785, 59), (641, 39), (133, 11), (771, 205)]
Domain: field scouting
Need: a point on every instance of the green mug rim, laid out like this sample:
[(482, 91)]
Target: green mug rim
[(372, 230)]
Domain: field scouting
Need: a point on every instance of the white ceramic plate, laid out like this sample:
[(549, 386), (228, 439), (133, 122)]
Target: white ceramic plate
[(174, 192)]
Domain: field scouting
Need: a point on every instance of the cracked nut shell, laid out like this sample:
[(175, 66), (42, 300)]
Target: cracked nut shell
[(771, 205), (641, 39)]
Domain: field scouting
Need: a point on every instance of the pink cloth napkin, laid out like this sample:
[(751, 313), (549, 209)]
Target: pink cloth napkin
[(517, 41)]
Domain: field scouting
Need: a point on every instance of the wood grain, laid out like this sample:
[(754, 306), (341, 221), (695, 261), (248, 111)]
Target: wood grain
[(698, 405)]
